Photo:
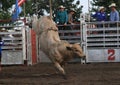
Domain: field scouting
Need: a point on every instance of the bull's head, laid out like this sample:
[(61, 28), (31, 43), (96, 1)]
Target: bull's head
[(76, 50)]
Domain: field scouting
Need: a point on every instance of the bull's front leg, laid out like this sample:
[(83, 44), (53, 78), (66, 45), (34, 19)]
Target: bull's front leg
[(59, 67)]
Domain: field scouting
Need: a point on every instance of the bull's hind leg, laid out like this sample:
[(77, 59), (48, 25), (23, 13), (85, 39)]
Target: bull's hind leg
[(62, 64), (58, 66)]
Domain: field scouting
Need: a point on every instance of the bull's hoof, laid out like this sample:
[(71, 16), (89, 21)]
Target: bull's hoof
[(65, 77)]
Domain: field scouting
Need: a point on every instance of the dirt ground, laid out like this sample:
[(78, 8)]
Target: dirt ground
[(77, 74)]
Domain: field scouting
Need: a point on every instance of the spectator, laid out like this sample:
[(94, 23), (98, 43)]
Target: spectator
[(61, 16), (114, 15), (100, 15), (70, 16), (70, 19), (1, 44)]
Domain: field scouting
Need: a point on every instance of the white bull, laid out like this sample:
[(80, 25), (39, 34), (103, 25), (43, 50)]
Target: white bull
[(58, 51)]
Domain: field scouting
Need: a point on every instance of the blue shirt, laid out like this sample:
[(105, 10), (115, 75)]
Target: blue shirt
[(61, 17), (114, 16), (1, 44), (100, 16)]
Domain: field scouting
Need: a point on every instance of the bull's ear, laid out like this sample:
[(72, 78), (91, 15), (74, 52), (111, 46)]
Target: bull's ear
[(69, 47)]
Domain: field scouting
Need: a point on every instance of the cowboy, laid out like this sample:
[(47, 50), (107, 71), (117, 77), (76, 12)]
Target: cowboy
[(71, 20), (61, 16), (114, 15), (100, 15), (70, 16)]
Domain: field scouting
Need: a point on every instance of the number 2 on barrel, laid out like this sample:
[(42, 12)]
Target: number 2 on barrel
[(111, 54)]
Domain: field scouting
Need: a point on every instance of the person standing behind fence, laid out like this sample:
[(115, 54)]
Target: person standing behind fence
[(100, 15), (70, 16), (1, 44), (61, 17), (114, 15)]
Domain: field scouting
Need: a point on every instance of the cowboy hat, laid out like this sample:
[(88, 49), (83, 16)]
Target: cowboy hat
[(112, 5), (72, 10), (61, 6), (100, 8), (3, 29)]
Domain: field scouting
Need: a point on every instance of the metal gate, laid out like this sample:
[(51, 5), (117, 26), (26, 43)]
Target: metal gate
[(101, 41), (20, 46), (14, 48)]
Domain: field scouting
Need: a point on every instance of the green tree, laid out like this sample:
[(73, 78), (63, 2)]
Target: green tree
[(39, 6), (5, 5)]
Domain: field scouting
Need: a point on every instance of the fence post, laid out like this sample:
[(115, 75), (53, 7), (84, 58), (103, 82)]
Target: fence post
[(83, 35), (33, 46), (24, 45), (29, 52)]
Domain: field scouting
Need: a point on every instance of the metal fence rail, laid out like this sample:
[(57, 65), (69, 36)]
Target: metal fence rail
[(71, 33), (103, 35)]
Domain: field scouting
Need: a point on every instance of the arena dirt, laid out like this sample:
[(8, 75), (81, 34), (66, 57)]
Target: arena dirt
[(77, 74)]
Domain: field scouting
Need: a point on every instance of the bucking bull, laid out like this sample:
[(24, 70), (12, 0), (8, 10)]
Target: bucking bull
[(58, 51)]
